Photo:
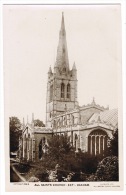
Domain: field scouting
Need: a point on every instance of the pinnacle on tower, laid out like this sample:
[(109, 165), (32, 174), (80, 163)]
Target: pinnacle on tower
[(62, 60), (74, 67), (50, 70), (93, 102)]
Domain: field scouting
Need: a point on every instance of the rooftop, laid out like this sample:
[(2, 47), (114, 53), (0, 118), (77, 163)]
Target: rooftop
[(109, 117)]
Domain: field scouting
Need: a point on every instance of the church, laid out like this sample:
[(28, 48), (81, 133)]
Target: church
[(88, 126)]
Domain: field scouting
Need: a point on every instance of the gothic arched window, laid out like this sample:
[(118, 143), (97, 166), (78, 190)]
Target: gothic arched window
[(97, 142), (62, 90), (72, 120), (64, 121), (54, 124), (68, 90), (51, 92)]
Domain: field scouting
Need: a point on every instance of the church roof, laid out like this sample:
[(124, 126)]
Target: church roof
[(109, 117), (36, 129), (42, 130), (93, 105)]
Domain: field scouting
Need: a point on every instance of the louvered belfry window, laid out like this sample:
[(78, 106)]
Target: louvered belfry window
[(68, 90), (62, 90), (51, 92)]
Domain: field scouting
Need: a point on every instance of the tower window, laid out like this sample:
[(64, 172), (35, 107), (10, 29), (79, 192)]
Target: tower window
[(64, 69), (72, 119), (68, 90), (51, 92), (62, 90), (54, 124)]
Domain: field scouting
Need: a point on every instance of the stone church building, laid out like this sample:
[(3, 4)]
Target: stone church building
[(88, 126)]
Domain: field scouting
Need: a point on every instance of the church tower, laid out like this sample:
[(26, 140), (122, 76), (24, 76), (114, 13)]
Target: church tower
[(62, 82)]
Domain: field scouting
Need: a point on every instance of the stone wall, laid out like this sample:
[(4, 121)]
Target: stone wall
[(38, 138)]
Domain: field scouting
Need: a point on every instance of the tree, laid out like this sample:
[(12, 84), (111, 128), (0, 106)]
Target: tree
[(39, 123), (113, 146), (58, 148), (59, 145), (15, 132), (108, 169), (71, 165)]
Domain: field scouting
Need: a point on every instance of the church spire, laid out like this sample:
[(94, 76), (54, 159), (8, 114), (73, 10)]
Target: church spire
[(62, 23), (62, 54)]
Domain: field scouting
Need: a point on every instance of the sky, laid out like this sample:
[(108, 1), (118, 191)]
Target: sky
[(30, 40)]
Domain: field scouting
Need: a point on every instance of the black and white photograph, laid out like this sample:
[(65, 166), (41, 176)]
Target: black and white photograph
[(63, 96)]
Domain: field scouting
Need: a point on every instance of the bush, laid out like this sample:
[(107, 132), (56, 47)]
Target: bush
[(88, 163), (113, 147), (107, 170), (62, 153), (72, 166)]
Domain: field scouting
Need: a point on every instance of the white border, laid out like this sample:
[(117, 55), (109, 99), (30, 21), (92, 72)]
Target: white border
[(2, 151), (2, 159), (62, 1)]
